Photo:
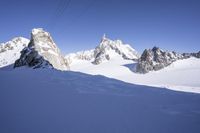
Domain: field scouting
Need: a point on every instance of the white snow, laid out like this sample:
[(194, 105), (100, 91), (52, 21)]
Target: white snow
[(43, 45), (79, 56), (37, 30), (182, 75), (9, 56), (53, 52), (44, 100)]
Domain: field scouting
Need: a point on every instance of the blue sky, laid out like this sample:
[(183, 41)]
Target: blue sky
[(79, 24)]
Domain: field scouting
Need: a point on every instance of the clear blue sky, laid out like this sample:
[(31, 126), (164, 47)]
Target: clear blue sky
[(79, 24)]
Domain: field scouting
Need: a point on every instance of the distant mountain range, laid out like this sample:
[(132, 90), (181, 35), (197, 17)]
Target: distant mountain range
[(41, 51), (110, 58)]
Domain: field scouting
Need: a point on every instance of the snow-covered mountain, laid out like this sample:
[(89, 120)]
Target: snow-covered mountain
[(106, 50), (109, 49), (42, 52), (10, 51), (105, 98), (110, 58)]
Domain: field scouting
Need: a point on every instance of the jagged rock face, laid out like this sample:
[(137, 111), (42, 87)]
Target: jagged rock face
[(42, 52), (31, 58), (188, 55), (156, 59), (107, 47), (197, 55), (10, 51)]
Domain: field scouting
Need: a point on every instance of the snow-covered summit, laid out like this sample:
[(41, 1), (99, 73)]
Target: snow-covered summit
[(10, 51), (42, 52), (106, 50), (109, 48)]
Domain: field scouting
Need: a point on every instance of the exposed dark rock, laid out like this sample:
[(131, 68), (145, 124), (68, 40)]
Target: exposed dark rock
[(155, 59), (197, 55), (31, 58), (41, 52)]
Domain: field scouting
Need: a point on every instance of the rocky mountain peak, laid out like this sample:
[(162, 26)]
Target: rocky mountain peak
[(109, 48), (42, 52), (156, 59)]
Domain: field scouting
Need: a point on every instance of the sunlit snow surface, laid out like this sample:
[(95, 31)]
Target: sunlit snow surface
[(182, 75), (42, 100)]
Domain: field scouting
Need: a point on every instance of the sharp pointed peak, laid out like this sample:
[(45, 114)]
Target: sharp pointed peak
[(104, 37)]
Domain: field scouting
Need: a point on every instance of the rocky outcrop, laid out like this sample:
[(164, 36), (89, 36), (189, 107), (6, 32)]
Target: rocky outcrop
[(197, 55), (107, 47), (155, 59), (41, 52), (188, 55), (31, 58)]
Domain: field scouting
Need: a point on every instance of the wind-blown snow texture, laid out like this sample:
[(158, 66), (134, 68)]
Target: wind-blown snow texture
[(46, 100)]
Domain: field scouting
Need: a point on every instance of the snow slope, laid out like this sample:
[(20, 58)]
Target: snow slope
[(10, 51), (182, 75), (46, 100)]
